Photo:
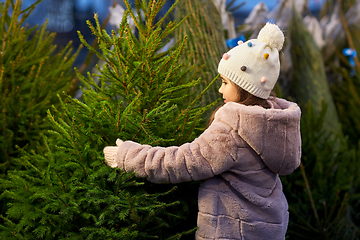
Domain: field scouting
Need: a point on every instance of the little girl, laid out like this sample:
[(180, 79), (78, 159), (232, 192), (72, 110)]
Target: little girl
[(251, 141)]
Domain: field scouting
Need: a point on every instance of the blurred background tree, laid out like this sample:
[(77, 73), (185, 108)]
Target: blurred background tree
[(33, 70)]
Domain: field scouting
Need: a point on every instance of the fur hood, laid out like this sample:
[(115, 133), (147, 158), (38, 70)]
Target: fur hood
[(274, 134)]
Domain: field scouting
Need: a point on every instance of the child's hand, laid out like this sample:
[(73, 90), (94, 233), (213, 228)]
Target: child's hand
[(110, 154)]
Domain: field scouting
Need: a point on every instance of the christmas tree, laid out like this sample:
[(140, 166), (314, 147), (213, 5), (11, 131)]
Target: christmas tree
[(68, 191), (32, 72), (206, 40)]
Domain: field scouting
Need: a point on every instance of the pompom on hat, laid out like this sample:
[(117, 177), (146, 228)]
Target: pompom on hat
[(254, 65)]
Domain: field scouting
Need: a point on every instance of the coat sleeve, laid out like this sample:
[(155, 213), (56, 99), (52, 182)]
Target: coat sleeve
[(212, 153)]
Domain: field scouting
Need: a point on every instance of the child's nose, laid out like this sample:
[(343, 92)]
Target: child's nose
[(220, 90)]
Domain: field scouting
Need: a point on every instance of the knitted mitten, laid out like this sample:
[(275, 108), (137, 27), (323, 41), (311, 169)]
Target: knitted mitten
[(110, 154)]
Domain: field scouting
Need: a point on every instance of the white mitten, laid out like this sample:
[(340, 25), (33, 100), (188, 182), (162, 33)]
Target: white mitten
[(118, 142), (110, 154)]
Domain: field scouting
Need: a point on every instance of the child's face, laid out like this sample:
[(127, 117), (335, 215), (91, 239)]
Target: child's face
[(229, 90)]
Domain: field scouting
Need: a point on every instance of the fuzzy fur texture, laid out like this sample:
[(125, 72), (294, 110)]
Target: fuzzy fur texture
[(239, 157)]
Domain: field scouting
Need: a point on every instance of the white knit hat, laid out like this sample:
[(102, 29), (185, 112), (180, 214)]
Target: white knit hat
[(254, 65)]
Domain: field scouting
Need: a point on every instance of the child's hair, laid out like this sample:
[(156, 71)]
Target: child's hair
[(247, 99)]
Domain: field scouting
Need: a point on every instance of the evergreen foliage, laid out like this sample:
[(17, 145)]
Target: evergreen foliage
[(347, 91), (32, 72), (347, 99), (309, 83), (69, 192), (60, 187), (206, 41)]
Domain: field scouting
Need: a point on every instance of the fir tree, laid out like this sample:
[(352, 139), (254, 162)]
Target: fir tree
[(309, 82), (32, 73), (69, 192), (206, 40), (321, 191)]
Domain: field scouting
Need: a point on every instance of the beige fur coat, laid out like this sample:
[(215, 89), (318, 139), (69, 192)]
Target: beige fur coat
[(239, 157)]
